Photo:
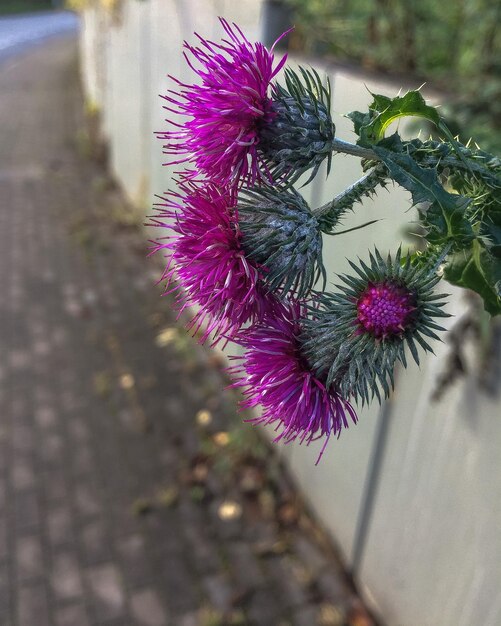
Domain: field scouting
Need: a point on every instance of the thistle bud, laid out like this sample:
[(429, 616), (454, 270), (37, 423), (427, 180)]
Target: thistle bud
[(282, 236), (297, 133)]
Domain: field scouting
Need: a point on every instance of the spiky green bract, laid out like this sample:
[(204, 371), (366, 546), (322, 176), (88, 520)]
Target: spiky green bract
[(347, 347), (281, 234), (298, 133)]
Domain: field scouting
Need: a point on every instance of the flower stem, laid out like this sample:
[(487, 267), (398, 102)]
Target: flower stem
[(330, 213), (338, 145), (477, 162)]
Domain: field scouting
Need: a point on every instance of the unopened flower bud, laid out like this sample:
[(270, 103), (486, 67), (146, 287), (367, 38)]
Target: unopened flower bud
[(297, 133), (281, 235)]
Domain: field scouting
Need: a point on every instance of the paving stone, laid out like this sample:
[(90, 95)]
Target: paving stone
[(66, 577), (29, 560), (5, 590), (219, 592), (26, 510), (263, 608), (147, 609), (179, 586), (310, 553), (285, 576), (244, 566), (55, 486), (87, 500), (51, 450), (4, 459), (4, 544), (206, 555), (95, 546), (71, 615), (23, 439), (131, 552), (46, 417), (204, 550), (23, 473), (83, 461), (32, 606), (305, 616), (332, 587), (78, 430), (107, 592), (189, 619), (59, 522)]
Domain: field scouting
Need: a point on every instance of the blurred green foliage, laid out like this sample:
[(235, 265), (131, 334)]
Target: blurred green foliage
[(10, 7), (455, 44)]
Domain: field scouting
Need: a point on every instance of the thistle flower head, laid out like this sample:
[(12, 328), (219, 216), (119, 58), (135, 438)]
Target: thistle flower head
[(226, 109), (281, 234), (204, 246), (275, 374), (386, 306), (298, 134)]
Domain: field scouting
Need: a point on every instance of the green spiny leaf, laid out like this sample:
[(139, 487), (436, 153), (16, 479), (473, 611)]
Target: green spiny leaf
[(371, 126), (480, 271), (445, 217)]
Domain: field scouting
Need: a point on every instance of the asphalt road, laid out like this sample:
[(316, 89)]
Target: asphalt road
[(20, 32)]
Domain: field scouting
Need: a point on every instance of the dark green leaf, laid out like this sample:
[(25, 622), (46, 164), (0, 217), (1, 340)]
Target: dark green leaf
[(480, 271), (490, 233), (371, 126), (490, 226), (445, 218)]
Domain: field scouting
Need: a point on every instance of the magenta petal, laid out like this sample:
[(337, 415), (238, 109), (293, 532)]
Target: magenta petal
[(203, 245), (225, 109), (275, 375)]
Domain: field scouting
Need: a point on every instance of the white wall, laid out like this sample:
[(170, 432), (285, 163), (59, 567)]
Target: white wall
[(433, 550)]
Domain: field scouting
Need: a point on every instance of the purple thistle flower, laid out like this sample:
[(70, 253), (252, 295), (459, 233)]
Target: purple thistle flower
[(206, 255), (358, 334), (276, 375), (226, 109)]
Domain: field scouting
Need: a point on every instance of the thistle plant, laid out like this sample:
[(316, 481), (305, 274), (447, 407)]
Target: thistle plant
[(244, 248)]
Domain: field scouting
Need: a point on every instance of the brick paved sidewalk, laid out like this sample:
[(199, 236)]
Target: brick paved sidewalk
[(129, 493)]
